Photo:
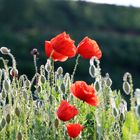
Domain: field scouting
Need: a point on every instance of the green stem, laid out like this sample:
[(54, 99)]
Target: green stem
[(75, 67), (35, 64)]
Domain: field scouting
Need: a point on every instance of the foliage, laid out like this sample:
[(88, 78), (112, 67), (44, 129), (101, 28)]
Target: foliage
[(28, 107), (26, 24)]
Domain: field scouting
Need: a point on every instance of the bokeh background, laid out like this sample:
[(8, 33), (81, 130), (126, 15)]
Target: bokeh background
[(26, 24)]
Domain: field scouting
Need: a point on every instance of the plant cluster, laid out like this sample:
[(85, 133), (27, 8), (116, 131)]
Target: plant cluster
[(52, 106)]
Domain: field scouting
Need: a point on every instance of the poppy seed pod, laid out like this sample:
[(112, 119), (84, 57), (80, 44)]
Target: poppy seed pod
[(4, 50), (19, 136)]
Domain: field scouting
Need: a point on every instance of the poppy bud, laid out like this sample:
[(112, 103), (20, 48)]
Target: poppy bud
[(48, 66), (126, 87), (56, 123), (138, 110), (108, 81), (4, 50), (137, 96), (0, 127), (60, 71), (27, 83), (42, 79), (122, 117), (3, 123), (97, 86), (56, 89), (34, 52), (92, 70), (14, 72), (115, 112), (0, 73), (3, 94), (19, 136), (24, 92), (66, 76), (63, 88), (8, 118), (6, 85), (17, 111)]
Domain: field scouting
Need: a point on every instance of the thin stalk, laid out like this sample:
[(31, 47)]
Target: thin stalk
[(75, 67)]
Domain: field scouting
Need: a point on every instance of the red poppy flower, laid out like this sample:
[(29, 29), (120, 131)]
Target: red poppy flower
[(66, 111), (88, 48), (84, 92), (60, 47), (74, 130)]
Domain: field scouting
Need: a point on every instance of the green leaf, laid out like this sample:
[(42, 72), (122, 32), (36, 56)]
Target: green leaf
[(130, 126)]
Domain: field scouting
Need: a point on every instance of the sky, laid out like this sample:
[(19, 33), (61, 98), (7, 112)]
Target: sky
[(135, 3)]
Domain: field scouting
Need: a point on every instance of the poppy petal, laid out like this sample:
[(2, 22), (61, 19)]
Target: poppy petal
[(66, 111), (55, 55), (88, 48), (74, 130)]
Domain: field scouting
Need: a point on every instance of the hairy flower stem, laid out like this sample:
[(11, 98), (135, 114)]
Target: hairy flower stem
[(5, 65), (75, 67), (131, 95), (52, 74), (13, 60), (35, 63)]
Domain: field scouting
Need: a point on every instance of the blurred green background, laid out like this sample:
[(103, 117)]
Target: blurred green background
[(26, 24)]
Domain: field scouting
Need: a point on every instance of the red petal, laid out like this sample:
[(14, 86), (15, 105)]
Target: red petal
[(56, 56), (66, 111), (88, 48), (94, 101), (74, 130), (63, 44)]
